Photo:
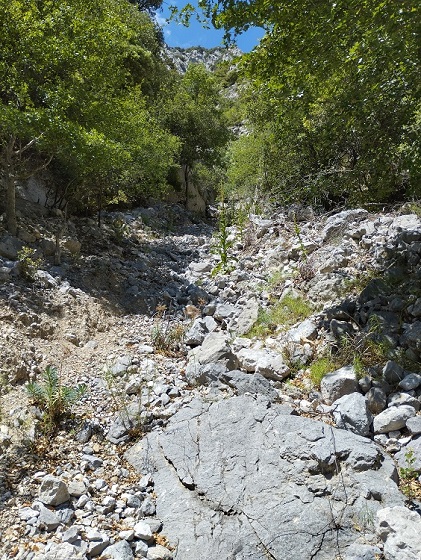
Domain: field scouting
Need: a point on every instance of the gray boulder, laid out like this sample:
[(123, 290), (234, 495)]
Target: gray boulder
[(376, 400), (241, 479), (215, 348), (414, 425), (410, 382), (266, 362), (393, 373), (338, 223), (393, 418), (63, 551), (359, 551), (200, 328), (159, 552), (351, 413), (53, 491), (10, 246), (400, 530), (307, 330), (247, 317), (118, 551), (338, 383), (253, 383)]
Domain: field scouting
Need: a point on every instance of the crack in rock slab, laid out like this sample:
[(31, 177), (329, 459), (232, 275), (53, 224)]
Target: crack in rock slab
[(241, 479)]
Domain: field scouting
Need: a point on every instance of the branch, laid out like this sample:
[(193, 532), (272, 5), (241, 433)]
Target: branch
[(28, 145)]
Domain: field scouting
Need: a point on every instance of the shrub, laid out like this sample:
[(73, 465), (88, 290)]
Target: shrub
[(29, 264), (53, 398)]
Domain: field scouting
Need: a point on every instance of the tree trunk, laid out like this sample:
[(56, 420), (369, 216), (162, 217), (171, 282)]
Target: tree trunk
[(186, 172), (11, 222), (9, 184)]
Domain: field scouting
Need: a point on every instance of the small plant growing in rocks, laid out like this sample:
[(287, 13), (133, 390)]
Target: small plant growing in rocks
[(120, 229), (52, 398), (284, 313), (321, 367), (167, 338), (223, 244), (409, 477), (29, 264)]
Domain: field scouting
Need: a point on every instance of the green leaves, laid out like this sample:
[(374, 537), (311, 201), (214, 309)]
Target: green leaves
[(53, 398), (78, 75), (337, 87)]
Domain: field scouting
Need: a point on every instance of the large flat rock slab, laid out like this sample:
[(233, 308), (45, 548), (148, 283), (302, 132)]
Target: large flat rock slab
[(244, 480)]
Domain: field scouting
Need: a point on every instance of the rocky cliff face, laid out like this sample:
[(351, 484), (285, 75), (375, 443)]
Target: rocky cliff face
[(181, 58)]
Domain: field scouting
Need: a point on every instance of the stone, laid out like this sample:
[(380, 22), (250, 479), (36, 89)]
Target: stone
[(414, 425), (63, 551), (118, 551), (205, 374), (10, 246), (410, 382), (351, 413), (397, 399), (76, 488), (358, 551), (141, 549), (93, 461), (95, 548), (215, 348), (47, 519), (147, 507), (232, 476), (340, 329), (414, 447), (26, 513), (400, 530), (305, 331), (142, 531), (225, 311), (120, 366), (71, 535), (253, 383), (159, 552), (376, 400), (338, 383), (200, 328), (200, 268), (248, 317), (412, 336), (392, 372), (393, 418), (53, 491), (340, 221), (266, 362)]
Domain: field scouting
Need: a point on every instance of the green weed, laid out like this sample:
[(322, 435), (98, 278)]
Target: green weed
[(409, 477), (167, 338), (53, 399), (285, 313), (321, 367), (29, 264)]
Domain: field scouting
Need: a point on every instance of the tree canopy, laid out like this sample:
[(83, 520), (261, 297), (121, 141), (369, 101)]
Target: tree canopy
[(75, 79), (336, 85)]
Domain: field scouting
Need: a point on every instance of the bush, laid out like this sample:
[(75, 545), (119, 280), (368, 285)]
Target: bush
[(53, 398)]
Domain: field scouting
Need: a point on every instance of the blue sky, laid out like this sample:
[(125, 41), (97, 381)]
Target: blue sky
[(176, 35)]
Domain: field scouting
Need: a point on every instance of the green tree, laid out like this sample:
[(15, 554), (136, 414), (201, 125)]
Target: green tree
[(193, 111), (73, 77), (339, 89)]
